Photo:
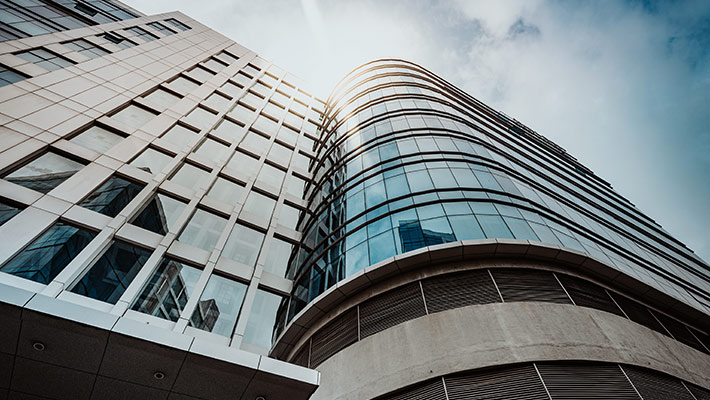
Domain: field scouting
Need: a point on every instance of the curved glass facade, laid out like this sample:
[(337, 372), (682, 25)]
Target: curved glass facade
[(406, 160)]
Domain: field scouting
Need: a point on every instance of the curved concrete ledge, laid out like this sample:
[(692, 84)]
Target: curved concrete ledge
[(497, 334), (465, 255)]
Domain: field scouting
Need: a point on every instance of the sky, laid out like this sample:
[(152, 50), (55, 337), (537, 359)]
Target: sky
[(623, 86)]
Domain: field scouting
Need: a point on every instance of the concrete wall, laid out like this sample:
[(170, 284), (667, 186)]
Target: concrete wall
[(497, 334)]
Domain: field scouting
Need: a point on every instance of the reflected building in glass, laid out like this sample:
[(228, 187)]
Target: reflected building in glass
[(182, 219)]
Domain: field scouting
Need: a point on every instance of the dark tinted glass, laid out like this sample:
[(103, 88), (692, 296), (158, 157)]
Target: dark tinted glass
[(112, 196)]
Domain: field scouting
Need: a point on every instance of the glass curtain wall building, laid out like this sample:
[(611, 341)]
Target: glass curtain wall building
[(182, 219)]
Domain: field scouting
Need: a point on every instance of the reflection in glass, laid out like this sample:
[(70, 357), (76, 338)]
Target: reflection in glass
[(277, 258), (189, 176), (97, 139), (45, 172), (168, 290), (262, 318), (413, 235), (219, 306), (243, 245), (151, 161), (203, 230), (112, 273), (160, 214), (226, 191), (111, 197), (47, 255), (7, 211), (133, 116), (260, 205)]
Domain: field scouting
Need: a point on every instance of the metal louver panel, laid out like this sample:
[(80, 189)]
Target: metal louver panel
[(653, 386), (459, 290), (586, 382), (588, 294), (529, 285), (638, 313), (679, 331), (510, 383), (433, 390), (704, 339), (301, 358), (390, 309), (698, 392), (338, 334)]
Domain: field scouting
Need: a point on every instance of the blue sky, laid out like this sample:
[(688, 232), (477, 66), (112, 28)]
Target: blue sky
[(623, 86)]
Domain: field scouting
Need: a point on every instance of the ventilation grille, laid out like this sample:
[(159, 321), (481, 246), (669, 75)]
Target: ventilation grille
[(529, 285), (638, 313), (586, 381), (678, 331), (698, 392), (338, 334), (653, 386), (301, 358), (587, 294), (512, 383), (459, 290), (390, 309), (433, 390)]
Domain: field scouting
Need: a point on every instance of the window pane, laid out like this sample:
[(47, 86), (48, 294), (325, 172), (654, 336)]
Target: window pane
[(288, 216), (243, 163), (211, 149), (260, 326), (45, 172), (162, 98), (226, 191), (7, 211), (296, 186), (466, 227), (200, 118), (203, 230), (219, 306), (133, 116), (97, 139), (228, 130), (168, 290), (260, 205), (160, 214), (189, 176), (111, 197), (494, 227), (277, 257), (271, 176), (151, 160), (180, 135), (112, 273), (47, 255), (243, 245)]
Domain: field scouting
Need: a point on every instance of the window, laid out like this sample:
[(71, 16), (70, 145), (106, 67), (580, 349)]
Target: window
[(118, 40), (254, 143), (45, 172), (151, 160), (161, 28), (8, 210), (219, 306), (229, 130), (243, 163), (97, 139), (200, 118), (109, 277), (241, 113), (217, 101), (160, 214), (288, 216), (296, 186), (111, 197), (271, 176), (180, 135), (49, 254), (162, 97), (134, 116), (86, 48), (190, 176), (200, 74), (141, 33), (45, 59), (184, 84), (260, 205), (9, 76), (203, 230), (262, 319), (212, 149), (227, 191), (227, 57), (277, 257), (177, 24), (168, 290), (243, 245)]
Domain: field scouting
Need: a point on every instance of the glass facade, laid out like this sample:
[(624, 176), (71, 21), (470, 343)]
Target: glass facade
[(45, 172), (168, 290), (111, 197)]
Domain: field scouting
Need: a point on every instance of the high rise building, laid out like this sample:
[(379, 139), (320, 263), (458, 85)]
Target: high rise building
[(182, 219)]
